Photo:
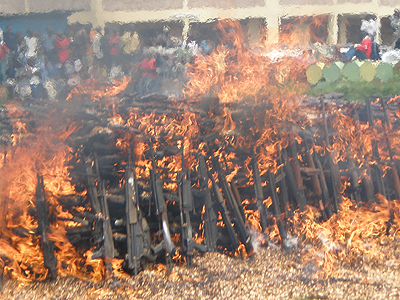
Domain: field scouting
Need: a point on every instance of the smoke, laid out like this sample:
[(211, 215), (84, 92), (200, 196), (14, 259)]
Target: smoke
[(291, 242), (257, 239)]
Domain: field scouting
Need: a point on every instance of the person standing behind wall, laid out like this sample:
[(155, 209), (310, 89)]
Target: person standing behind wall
[(148, 82), (114, 47), (31, 43), (95, 38), (61, 43), (3, 61), (48, 42), (11, 41)]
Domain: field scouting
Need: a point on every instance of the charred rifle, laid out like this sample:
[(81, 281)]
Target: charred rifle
[(240, 226), (376, 171), (161, 209), (276, 205), (318, 180), (387, 126), (333, 167), (234, 189), (224, 212), (134, 220), (50, 261), (107, 250), (295, 164), (354, 175), (259, 192), (4, 201), (283, 188), (365, 177), (210, 217), (186, 205), (289, 175), (94, 200), (324, 187)]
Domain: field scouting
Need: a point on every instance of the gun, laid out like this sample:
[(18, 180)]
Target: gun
[(210, 217), (50, 261), (283, 188), (297, 194), (393, 167), (134, 231), (365, 178), (161, 209), (186, 205), (354, 175), (259, 192), (377, 172), (108, 241), (240, 227), (333, 167), (224, 212), (275, 203), (318, 180), (94, 200)]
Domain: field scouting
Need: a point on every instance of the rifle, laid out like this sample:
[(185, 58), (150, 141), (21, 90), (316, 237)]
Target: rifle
[(275, 203), (298, 194), (186, 205), (259, 192), (134, 231), (224, 212), (318, 180), (210, 218), (377, 172), (365, 178), (283, 188), (354, 175), (108, 244), (161, 209), (333, 167), (50, 261), (94, 200), (240, 227), (393, 167)]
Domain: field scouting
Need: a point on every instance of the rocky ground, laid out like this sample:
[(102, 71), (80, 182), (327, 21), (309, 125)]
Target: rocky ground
[(271, 274)]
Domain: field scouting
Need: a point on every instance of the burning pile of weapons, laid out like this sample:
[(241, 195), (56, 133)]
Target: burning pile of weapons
[(156, 180)]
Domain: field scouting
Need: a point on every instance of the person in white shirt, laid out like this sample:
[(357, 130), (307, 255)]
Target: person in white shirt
[(31, 43)]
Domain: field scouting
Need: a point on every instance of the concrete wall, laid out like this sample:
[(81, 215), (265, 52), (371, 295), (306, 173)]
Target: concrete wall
[(100, 12), (13, 7)]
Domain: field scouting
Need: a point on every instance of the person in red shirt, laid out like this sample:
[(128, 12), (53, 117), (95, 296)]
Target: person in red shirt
[(367, 49), (61, 43), (360, 51), (366, 46), (149, 82), (148, 67), (114, 47), (3, 61)]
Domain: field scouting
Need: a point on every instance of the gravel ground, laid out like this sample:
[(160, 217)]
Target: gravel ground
[(271, 274)]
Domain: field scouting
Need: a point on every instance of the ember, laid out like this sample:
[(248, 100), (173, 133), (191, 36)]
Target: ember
[(109, 182)]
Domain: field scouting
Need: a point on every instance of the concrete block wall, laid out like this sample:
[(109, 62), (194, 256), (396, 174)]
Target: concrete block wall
[(100, 12)]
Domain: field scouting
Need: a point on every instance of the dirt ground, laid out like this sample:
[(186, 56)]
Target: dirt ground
[(271, 274)]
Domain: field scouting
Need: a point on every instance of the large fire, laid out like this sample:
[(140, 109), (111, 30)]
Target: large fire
[(261, 112)]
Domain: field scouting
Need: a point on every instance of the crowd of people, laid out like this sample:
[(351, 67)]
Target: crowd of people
[(46, 65)]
